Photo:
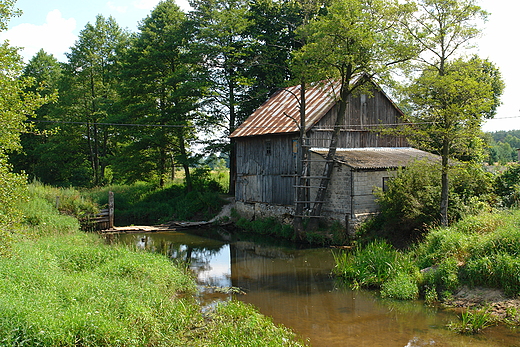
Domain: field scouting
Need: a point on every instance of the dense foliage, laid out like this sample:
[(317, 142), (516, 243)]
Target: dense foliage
[(409, 204)]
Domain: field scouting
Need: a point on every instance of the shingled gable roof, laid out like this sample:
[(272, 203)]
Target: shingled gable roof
[(378, 157), (281, 113)]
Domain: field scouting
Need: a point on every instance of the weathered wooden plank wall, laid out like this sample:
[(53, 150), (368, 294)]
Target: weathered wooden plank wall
[(365, 113), (266, 168)]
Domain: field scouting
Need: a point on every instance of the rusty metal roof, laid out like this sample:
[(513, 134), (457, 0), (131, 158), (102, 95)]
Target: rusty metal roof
[(378, 157), (281, 113)]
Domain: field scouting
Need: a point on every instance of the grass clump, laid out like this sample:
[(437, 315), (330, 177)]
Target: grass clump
[(472, 321), (236, 324), (373, 265)]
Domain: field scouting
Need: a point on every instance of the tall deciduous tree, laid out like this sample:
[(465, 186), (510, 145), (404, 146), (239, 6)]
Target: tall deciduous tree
[(35, 159), (162, 86), (16, 103), (91, 88), (451, 95), (448, 111), (222, 37), (353, 37)]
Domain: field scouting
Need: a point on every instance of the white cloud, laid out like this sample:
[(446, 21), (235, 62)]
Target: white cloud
[(146, 4), (121, 9), (55, 36), (151, 4)]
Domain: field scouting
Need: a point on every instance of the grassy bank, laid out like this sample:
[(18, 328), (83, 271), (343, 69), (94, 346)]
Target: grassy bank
[(478, 251), (62, 287)]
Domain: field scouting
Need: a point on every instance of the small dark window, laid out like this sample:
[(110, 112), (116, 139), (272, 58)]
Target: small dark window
[(268, 147), (385, 183)]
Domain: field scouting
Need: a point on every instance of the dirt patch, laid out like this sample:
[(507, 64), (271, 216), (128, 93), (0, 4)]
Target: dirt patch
[(501, 306)]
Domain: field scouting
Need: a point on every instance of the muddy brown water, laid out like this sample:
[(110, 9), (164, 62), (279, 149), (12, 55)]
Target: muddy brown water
[(295, 288)]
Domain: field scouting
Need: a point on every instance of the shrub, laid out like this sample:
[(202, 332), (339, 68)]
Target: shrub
[(506, 185), (410, 204)]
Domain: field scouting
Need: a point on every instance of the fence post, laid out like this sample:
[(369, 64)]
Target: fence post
[(110, 210)]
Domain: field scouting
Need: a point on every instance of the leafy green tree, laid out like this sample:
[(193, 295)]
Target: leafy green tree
[(45, 70), (90, 86), (353, 37), (451, 95), (449, 109), (16, 104), (222, 37), (162, 84), (272, 29)]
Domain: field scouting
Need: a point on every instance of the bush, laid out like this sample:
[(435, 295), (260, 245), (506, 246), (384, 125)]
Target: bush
[(144, 203), (410, 205), (507, 187)]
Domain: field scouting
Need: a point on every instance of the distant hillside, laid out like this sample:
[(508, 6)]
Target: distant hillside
[(503, 146)]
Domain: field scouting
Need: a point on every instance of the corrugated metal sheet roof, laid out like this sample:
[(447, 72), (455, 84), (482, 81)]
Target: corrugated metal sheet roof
[(281, 113), (378, 158)]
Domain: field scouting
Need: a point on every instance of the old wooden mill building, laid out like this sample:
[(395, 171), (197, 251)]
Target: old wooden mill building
[(267, 150)]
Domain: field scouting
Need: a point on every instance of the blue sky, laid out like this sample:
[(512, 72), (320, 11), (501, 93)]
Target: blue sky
[(54, 25)]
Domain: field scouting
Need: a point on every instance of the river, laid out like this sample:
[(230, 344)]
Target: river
[(294, 287)]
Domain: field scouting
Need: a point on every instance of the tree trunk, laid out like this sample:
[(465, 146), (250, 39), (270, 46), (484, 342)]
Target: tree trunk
[(302, 170), (444, 183), (232, 127)]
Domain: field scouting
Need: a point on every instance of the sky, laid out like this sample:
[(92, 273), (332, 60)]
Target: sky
[(54, 25)]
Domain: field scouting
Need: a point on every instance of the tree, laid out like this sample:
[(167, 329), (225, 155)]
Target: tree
[(16, 104), (91, 88), (353, 37), (45, 70), (222, 38), (162, 84), (451, 96)]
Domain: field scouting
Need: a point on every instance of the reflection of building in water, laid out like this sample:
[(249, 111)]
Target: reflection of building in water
[(255, 268)]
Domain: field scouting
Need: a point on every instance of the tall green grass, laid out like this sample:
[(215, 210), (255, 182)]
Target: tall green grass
[(62, 287), (73, 290), (481, 250)]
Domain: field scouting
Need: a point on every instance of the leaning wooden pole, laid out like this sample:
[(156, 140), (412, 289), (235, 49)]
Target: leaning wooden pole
[(302, 182), (329, 160)]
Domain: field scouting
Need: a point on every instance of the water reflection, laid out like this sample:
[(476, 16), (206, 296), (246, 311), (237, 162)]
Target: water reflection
[(295, 288)]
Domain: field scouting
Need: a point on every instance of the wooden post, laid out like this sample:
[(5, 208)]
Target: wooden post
[(110, 210), (57, 202)]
